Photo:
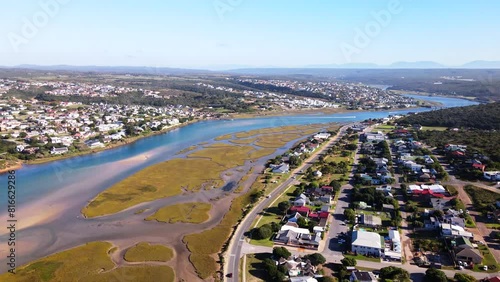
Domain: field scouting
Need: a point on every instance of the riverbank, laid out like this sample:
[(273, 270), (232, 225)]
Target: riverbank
[(428, 94), (124, 142)]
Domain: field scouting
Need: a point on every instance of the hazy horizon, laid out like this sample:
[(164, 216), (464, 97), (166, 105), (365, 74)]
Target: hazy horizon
[(223, 34)]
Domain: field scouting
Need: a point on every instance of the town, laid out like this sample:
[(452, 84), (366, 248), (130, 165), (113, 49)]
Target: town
[(401, 214)]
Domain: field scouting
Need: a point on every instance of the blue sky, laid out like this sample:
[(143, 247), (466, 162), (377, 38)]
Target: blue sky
[(219, 33)]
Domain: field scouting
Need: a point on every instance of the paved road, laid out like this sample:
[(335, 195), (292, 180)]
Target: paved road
[(234, 250)]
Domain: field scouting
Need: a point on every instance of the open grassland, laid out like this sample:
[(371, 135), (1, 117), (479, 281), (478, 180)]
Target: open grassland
[(243, 141), (481, 197), (89, 262), (227, 156), (197, 243), (437, 128), (146, 252), (276, 140), (186, 212), (257, 154), (157, 181), (223, 137)]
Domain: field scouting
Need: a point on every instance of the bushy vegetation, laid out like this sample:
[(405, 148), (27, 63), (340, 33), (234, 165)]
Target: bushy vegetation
[(392, 273), (185, 212), (485, 117)]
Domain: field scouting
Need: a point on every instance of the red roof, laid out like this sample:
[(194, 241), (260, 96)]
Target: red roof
[(313, 215), (300, 209), (479, 166), (323, 214), (494, 279)]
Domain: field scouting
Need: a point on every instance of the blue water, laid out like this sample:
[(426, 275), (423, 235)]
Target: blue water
[(34, 181)]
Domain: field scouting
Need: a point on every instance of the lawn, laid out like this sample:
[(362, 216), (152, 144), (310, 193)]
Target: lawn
[(89, 262), (385, 128), (185, 212), (488, 260), (254, 267), (146, 252), (436, 128), (361, 257), (493, 225)]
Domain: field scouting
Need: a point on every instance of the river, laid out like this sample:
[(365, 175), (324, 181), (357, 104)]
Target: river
[(36, 181)]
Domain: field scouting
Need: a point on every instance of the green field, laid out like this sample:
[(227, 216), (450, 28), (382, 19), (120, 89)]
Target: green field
[(488, 260), (185, 212), (89, 262), (146, 252)]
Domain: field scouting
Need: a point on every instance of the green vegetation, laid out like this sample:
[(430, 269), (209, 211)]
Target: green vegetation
[(89, 262), (485, 116), (462, 277), (223, 137), (146, 252), (201, 252), (435, 275), (482, 198), (361, 257), (225, 155), (157, 181), (392, 273), (185, 212)]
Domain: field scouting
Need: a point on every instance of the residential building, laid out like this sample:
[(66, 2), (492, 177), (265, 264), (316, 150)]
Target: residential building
[(366, 243), (362, 276)]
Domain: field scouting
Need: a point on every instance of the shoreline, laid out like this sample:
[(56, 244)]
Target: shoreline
[(19, 164), (428, 94)]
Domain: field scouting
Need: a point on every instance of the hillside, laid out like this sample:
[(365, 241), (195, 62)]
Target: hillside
[(485, 116)]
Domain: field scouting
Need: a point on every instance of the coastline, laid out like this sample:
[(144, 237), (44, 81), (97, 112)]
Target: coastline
[(19, 164)]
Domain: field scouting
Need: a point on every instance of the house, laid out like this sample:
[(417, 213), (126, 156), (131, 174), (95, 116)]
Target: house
[(290, 235), (58, 151), (366, 243), (326, 199), (371, 220), (294, 217), (468, 255), (301, 201), (454, 220), (301, 209), (449, 230), (362, 276), (303, 279), (431, 223), (492, 175), (283, 168)]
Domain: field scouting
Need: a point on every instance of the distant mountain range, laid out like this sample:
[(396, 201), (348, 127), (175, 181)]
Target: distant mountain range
[(250, 69)]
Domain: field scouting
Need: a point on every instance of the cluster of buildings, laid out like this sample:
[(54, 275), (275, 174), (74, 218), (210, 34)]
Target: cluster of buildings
[(278, 100), (31, 124), (291, 234), (355, 96), (462, 160), (61, 88)]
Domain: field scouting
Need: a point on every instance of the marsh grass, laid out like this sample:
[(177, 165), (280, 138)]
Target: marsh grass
[(185, 212), (145, 252)]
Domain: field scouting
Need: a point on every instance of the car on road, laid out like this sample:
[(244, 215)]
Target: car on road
[(229, 275), (342, 223)]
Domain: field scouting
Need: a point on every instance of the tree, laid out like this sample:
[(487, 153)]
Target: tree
[(394, 273), (350, 215), (433, 274), (263, 232), (316, 259), (294, 161), (284, 206), (281, 252), (438, 213), (302, 222), (462, 277), (336, 185), (328, 279), (347, 261)]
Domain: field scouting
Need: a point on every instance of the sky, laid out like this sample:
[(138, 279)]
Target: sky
[(218, 34)]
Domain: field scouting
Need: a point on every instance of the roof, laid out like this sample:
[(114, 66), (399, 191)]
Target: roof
[(363, 276), (494, 279), (300, 209), (463, 241), (394, 235), (469, 253), (371, 220), (366, 239)]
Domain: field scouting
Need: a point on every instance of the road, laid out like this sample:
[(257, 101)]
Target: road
[(237, 241)]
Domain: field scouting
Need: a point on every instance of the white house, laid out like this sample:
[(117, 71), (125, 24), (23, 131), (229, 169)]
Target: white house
[(492, 175), (366, 243)]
